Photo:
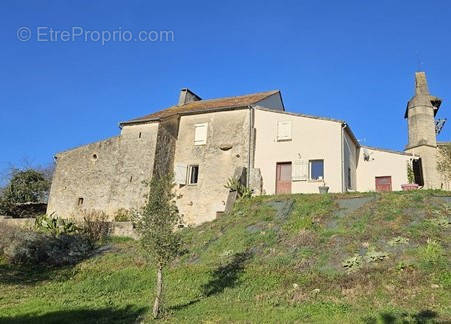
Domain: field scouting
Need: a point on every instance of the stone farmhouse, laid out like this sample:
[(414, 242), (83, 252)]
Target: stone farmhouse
[(251, 137)]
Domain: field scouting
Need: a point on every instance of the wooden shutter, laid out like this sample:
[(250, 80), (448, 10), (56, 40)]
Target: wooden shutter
[(180, 173), (300, 170), (284, 130), (200, 134)]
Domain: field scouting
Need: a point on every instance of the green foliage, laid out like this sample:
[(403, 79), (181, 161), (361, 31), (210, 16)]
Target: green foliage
[(234, 184), (444, 161), (295, 276), (24, 186), (410, 173), (374, 256), (398, 240), (353, 263), (31, 248), (156, 222), (122, 215), (96, 225), (55, 225), (432, 253)]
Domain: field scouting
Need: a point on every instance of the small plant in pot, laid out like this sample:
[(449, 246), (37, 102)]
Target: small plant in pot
[(323, 189)]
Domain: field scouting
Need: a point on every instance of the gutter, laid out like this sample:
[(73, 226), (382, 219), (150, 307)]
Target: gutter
[(251, 126), (343, 126)]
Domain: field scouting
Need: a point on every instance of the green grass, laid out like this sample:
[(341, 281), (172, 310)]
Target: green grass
[(257, 265)]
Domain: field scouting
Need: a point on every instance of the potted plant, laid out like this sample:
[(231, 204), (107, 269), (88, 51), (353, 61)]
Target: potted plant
[(323, 189), (411, 178)]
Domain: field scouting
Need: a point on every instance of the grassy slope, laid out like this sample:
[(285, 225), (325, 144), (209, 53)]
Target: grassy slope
[(256, 265)]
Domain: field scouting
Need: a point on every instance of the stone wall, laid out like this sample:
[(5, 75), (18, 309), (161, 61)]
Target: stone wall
[(226, 149), (106, 175)]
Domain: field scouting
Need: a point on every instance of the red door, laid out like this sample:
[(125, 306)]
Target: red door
[(383, 183), (283, 178)]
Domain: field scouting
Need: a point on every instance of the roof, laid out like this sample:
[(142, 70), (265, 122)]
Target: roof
[(204, 106), (386, 150), (301, 115)]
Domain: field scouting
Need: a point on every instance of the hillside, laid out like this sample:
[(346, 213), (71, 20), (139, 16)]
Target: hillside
[(360, 258)]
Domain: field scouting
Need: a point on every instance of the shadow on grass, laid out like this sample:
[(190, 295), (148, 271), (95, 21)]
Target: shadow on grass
[(422, 317), (225, 276), (129, 314), (15, 274), (22, 275)]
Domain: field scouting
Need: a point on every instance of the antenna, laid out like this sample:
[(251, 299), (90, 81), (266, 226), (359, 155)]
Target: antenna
[(439, 123)]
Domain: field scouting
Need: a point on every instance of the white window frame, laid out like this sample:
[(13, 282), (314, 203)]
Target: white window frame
[(201, 140), (310, 170)]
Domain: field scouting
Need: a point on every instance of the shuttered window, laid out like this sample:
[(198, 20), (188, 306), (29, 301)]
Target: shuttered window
[(284, 130), (300, 170), (180, 173), (200, 134)]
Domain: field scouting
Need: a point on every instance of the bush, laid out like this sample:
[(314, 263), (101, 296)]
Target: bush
[(27, 247), (122, 215), (54, 225), (96, 225), (25, 186)]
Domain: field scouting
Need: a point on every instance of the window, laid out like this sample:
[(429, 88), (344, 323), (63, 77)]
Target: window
[(80, 201), (193, 174), (349, 179), (200, 134), (316, 169), (284, 130)]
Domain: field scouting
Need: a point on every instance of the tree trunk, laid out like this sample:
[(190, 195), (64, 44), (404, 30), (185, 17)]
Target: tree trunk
[(156, 305)]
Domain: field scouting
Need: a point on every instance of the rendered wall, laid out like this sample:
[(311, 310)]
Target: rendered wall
[(350, 161), (199, 203), (381, 163), (312, 139), (109, 182)]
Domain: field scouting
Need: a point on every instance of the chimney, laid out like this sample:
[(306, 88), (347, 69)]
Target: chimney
[(186, 95), (421, 85)]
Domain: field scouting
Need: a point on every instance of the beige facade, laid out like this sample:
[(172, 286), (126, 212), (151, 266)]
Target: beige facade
[(374, 163), (311, 139), (206, 142)]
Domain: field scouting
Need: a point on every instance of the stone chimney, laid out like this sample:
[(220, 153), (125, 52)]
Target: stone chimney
[(186, 95), (420, 113)]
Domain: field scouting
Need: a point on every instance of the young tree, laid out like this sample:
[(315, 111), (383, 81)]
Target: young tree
[(156, 223)]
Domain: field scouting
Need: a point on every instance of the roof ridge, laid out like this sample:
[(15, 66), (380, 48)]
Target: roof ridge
[(269, 92)]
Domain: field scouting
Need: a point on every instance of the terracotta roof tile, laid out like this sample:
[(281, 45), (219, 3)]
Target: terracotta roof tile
[(205, 105)]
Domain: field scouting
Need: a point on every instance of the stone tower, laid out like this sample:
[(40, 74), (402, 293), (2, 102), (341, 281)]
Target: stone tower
[(420, 113)]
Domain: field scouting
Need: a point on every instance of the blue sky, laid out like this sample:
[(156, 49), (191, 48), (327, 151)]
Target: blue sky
[(351, 60)]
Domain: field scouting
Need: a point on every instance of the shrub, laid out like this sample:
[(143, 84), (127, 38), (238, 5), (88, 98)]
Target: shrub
[(96, 225), (24, 186), (54, 225), (234, 184), (28, 247), (432, 254), (122, 215)]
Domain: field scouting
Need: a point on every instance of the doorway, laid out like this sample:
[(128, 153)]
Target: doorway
[(383, 183), (283, 178)]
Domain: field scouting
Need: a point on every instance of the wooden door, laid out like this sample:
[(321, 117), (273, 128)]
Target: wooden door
[(383, 184), (283, 178)]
